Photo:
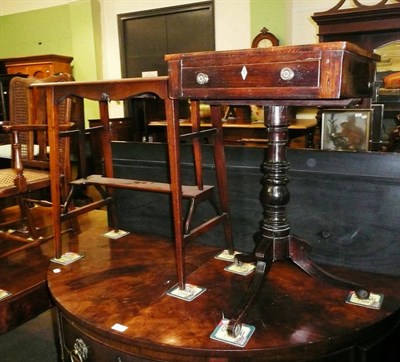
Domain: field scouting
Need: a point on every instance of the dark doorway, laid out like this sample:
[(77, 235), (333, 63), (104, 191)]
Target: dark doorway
[(146, 36)]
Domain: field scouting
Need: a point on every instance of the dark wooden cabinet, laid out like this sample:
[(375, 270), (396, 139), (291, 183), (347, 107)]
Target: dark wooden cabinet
[(366, 26), (371, 27), (80, 344), (38, 66)]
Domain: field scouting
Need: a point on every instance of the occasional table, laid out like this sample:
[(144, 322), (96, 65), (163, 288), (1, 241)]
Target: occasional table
[(337, 74)]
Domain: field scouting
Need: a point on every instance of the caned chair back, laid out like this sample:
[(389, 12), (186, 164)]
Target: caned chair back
[(30, 157), (28, 106)]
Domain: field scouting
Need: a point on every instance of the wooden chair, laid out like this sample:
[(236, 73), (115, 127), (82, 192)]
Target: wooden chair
[(29, 171)]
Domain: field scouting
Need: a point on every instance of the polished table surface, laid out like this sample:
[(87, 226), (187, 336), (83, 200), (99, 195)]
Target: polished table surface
[(125, 281)]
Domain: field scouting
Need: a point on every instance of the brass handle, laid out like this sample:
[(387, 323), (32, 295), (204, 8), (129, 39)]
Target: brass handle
[(287, 74), (80, 352), (202, 78)]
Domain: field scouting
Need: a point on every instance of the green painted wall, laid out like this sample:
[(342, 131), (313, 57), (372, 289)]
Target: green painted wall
[(273, 15), (83, 40), (72, 30), (85, 37), (45, 31)]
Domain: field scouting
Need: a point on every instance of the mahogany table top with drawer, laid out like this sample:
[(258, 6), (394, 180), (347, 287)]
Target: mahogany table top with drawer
[(324, 71)]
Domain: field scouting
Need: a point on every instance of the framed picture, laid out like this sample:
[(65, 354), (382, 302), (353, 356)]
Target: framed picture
[(345, 129)]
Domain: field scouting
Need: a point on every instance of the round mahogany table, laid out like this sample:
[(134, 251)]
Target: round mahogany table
[(124, 282)]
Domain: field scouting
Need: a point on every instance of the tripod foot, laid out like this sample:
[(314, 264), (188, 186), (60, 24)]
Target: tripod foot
[(299, 252), (362, 293), (263, 264)]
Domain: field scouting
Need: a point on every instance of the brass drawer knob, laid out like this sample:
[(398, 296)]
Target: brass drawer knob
[(202, 78), (287, 74)]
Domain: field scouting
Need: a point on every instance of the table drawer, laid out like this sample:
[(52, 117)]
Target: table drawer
[(319, 71), (282, 74), (80, 344)]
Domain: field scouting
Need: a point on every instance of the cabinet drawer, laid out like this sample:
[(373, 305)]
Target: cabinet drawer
[(319, 71), (77, 343), (37, 70), (40, 71)]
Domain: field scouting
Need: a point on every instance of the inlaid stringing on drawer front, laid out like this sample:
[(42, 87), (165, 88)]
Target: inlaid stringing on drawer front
[(285, 74)]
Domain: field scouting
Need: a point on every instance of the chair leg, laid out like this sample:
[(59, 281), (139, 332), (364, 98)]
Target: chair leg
[(21, 222), (27, 217), (26, 234), (26, 245), (6, 223)]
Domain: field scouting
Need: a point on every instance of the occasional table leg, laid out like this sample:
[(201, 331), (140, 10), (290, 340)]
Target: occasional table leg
[(273, 240), (263, 256), (299, 252)]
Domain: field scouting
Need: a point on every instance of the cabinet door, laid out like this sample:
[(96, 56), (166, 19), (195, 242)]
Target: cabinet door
[(146, 36)]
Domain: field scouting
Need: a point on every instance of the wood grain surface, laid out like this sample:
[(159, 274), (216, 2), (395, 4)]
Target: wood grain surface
[(125, 281)]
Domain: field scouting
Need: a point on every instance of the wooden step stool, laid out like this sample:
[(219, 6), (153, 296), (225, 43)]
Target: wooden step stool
[(117, 90)]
